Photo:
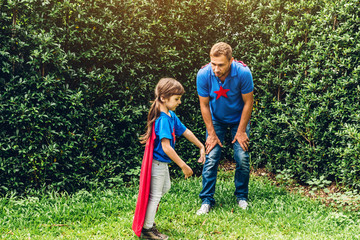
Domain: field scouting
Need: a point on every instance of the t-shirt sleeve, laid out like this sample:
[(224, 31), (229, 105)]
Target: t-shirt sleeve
[(179, 126), (247, 85), (202, 84), (164, 129)]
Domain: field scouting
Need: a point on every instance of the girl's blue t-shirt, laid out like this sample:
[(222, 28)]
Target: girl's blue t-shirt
[(166, 127)]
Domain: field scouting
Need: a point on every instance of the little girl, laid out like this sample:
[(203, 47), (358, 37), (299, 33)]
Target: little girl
[(168, 94)]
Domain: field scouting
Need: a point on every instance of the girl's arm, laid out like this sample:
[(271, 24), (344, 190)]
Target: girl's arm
[(192, 138), (168, 150)]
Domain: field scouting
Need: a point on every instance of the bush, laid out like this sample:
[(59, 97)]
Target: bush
[(77, 77), (309, 100)]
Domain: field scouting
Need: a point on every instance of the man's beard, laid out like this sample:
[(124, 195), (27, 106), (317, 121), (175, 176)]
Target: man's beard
[(224, 74)]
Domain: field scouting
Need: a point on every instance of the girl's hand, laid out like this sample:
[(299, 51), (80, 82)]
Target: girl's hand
[(187, 171), (202, 155)]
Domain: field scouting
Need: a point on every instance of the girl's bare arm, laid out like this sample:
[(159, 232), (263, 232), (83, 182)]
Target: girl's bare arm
[(165, 143)]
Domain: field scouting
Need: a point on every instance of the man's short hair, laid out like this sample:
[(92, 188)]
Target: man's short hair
[(221, 48)]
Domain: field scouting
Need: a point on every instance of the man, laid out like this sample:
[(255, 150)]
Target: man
[(225, 89)]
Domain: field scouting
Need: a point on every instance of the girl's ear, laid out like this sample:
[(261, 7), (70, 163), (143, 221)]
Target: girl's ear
[(162, 99)]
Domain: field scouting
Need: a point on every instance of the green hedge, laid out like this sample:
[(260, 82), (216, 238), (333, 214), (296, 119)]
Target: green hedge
[(307, 111), (77, 77)]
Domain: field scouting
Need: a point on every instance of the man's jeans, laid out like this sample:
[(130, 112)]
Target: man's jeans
[(209, 173)]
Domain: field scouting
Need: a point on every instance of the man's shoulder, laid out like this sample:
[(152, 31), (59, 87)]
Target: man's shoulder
[(241, 69), (205, 69), (204, 74), (206, 65), (240, 63)]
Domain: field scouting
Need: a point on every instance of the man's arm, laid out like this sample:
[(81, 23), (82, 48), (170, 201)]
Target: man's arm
[(212, 138), (241, 135)]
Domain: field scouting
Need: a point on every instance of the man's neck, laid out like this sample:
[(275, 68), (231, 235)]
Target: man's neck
[(223, 77)]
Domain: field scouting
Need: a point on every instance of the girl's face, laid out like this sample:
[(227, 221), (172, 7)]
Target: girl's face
[(173, 102)]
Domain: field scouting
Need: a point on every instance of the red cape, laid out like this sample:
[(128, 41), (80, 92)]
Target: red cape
[(144, 188)]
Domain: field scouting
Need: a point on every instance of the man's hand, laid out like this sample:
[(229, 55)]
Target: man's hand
[(211, 142), (187, 171), (243, 140), (202, 155)]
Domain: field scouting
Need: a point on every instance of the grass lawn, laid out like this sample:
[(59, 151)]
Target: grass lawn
[(107, 214)]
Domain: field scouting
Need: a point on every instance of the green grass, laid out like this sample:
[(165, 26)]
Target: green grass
[(107, 214)]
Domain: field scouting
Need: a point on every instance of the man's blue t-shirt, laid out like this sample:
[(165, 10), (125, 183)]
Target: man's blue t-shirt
[(166, 127), (226, 103)]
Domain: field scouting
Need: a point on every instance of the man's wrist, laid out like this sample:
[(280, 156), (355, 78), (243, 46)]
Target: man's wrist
[(241, 129), (212, 133)]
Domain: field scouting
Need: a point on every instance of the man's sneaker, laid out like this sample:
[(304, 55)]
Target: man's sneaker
[(205, 208), (243, 204), (152, 233)]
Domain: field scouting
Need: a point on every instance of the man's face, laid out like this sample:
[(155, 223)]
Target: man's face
[(221, 66)]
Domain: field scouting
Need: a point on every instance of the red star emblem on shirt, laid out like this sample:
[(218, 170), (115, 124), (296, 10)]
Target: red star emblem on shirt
[(173, 134), (221, 92)]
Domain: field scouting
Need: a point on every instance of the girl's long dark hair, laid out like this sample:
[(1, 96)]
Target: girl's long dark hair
[(165, 88)]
